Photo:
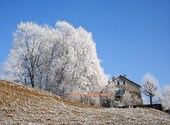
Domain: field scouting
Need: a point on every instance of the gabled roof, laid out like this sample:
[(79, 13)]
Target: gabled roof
[(127, 80)]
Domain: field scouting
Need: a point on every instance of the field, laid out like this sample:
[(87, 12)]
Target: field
[(20, 105)]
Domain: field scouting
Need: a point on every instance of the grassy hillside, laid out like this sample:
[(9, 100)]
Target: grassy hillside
[(23, 105)]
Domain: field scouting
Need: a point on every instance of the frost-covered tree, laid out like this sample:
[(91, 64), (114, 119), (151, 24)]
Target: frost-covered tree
[(131, 99), (63, 58), (136, 100), (165, 97), (109, 90), (150, 85), (127, 99), (24, 58), (78, 68)]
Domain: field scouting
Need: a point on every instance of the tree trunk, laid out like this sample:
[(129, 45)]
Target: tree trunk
[(40, 81), (31, 76), (151, 100), (32, 80)]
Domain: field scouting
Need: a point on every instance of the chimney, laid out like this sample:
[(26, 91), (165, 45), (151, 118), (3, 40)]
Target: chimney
[(113, 78)]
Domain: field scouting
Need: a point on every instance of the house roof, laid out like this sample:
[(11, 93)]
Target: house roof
[(127, 79)]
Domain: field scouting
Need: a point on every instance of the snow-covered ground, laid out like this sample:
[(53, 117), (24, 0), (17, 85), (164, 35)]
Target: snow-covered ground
[(22, 106)]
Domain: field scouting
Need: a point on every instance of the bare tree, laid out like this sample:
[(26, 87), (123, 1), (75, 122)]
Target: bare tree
[(150, 85)]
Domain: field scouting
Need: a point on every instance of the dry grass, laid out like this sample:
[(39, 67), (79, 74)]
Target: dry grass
[(25, 106), (20, 94)]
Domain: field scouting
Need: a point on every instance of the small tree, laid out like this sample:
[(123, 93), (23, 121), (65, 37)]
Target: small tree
[(136, 100), (150, 85), (127, 99), (165, 97), (109, 89)]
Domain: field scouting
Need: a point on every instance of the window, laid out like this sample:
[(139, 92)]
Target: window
[(124, 83), (118, 83), (118, 92), (123, 91)]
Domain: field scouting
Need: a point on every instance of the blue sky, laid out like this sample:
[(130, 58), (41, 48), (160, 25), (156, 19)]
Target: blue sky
[(132, 36)]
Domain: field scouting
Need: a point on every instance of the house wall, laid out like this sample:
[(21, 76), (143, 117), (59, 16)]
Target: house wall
[(133, 89), (116, 100)]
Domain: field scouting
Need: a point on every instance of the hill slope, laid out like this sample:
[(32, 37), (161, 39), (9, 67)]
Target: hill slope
[(23, 105)]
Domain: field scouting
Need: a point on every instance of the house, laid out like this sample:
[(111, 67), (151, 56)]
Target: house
[(123, 87)]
